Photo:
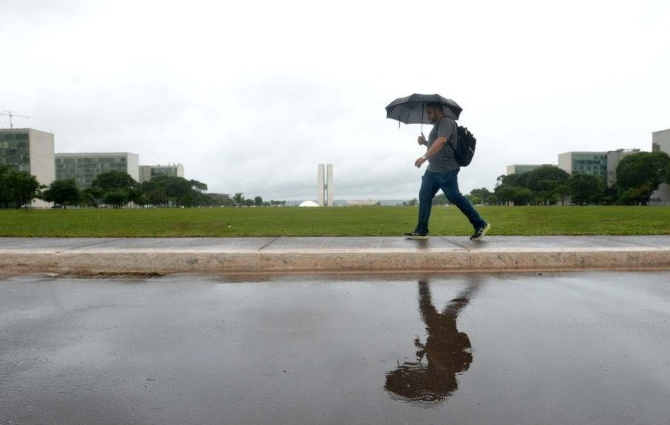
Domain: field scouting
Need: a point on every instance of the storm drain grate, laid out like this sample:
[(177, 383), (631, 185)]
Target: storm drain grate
[(109, 275)]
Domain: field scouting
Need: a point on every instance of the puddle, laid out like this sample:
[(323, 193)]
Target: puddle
[(472, 349)]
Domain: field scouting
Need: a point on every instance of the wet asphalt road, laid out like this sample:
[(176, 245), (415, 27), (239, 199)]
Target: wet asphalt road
[(578, 348)]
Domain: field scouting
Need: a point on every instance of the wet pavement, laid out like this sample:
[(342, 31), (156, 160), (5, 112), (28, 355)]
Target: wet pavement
[(542, 348)]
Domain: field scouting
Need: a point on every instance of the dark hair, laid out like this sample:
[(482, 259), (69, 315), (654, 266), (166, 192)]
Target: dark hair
[(437, 105)]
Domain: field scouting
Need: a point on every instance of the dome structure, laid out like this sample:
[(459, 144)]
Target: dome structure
[(308, 204)]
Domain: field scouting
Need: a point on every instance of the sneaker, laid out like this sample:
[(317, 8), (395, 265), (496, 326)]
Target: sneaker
[(416, 235), (479, 233)]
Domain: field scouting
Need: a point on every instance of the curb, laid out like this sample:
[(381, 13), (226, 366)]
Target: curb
[(335, 260)]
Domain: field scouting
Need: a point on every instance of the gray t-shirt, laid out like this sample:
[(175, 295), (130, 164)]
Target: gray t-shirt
[(444, 160)]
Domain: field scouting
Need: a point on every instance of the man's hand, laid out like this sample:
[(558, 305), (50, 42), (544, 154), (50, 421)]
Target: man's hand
[(419, 161), (421, 139)]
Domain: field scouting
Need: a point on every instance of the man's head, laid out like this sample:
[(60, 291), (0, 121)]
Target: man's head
[(434, 111)]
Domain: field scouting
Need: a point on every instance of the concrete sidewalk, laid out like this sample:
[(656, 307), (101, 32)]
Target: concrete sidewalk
[(328, 254)]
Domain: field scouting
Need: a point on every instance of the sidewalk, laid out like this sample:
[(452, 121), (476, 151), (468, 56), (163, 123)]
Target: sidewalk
[(328, 254)]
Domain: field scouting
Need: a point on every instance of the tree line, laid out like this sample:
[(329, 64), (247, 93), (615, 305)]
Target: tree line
[(116, 189), (240, 201), (637, 177)]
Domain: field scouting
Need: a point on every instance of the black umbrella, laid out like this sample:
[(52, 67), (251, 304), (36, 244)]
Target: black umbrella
[(412, 109)]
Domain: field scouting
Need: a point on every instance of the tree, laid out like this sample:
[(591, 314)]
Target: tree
[(440, 199), (541, 182), (238, 199), (474, 199), (17, 188), (516, 194), (141, 199), (154, 192), (562, 192), (171, 190), (198, 186), (258, 201), (92, 196), (547, 178), (637, 195), (506, 193), (5, 192), (586, 189), (613, 195), (118, 187), (483, 194), (116, 198), (183, 192), (63, 192), (512, 180), (23, 188), (176, 188), (640, 174), (114, 180), (523, 196)]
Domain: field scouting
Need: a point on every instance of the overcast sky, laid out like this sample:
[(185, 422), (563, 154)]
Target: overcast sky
[(251, 96)]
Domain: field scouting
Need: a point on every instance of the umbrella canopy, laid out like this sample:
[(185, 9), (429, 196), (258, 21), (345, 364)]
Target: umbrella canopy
[(412, 109)]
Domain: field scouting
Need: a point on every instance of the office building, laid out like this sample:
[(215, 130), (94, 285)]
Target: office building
[(148, 172), (85, 167), (523, 168), (590, 163), (601, 164), (660, 142), (32, 151), (325, 185)]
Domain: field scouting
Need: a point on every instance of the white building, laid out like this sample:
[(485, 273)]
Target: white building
[(590, 163), (660, 142), (85, 167), (32, 151), (148, 172), (601, 164)]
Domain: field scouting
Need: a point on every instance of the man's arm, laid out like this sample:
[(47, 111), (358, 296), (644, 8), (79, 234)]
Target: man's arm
[(435, 148)]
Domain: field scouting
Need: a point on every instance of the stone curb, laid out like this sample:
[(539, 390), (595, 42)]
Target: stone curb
[(334, 260)]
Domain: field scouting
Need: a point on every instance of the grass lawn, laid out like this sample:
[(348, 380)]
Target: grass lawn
[(337, 221)]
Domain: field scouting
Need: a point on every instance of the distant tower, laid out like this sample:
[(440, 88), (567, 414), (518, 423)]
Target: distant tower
[(325, 185)]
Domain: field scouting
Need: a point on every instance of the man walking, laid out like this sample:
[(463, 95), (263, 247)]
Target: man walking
[(442, 173)]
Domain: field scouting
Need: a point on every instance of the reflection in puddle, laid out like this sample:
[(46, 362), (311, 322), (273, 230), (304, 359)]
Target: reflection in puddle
[(446, 351)]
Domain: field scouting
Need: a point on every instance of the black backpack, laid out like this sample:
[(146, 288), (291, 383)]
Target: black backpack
[(465, 148)]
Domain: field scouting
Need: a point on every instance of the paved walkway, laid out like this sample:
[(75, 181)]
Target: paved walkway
[(328, 254)]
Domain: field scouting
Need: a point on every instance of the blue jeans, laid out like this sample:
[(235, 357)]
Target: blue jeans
[(431, 182)]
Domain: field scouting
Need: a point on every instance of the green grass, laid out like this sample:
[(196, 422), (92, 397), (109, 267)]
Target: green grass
[(338, 221)]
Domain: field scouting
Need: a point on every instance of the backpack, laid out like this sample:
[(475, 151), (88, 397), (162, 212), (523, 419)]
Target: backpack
[(465, 148)]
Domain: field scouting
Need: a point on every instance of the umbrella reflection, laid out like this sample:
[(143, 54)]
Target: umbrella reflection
[(447, 352)]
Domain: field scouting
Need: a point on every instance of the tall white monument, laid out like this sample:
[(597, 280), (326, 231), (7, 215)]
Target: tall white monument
[(660, 142), (325, 185)]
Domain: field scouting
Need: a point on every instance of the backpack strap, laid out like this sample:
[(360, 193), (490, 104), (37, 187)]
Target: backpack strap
[(449, 141)]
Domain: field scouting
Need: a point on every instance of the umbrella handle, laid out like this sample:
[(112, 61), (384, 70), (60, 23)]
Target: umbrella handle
[(423, 107)]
